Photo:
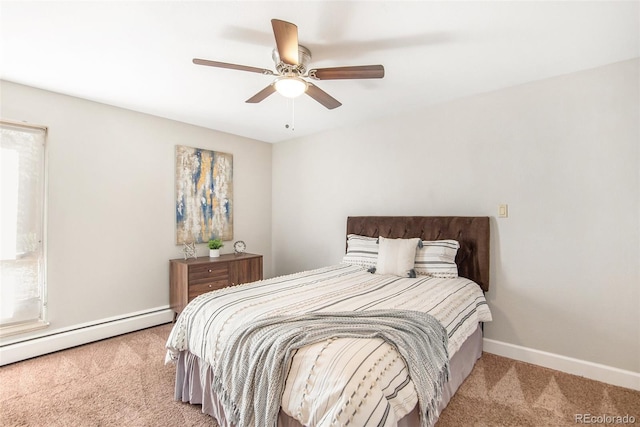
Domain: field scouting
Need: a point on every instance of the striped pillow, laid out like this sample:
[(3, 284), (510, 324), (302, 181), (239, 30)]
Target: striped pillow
[(437, 258), (361, 250)]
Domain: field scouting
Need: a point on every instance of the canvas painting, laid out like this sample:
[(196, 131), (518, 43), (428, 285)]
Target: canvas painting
[(204, 195)]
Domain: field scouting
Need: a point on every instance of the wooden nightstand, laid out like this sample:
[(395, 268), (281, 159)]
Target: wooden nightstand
[(192, 277)]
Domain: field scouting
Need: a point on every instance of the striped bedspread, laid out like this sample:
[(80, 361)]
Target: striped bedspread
[(344, 381)]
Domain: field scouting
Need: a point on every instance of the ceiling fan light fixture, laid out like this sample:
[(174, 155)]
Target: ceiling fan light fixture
[(290, 86)]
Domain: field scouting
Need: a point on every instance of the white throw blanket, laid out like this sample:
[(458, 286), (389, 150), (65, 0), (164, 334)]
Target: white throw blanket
[(251, 377)]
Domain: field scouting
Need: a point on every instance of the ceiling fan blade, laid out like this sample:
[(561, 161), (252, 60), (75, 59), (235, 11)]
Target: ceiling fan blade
[(322, 97), (286, 35), (232, 66), (358, 72), (262, 94)]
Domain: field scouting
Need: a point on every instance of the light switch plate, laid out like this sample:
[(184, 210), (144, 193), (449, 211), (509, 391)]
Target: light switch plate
[(503, 211)]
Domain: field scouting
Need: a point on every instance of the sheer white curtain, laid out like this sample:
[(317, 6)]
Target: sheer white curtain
[(22, 198)]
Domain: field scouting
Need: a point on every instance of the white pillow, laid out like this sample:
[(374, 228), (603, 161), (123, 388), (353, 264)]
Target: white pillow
[(437, 258), (397, 256), (361, 250)]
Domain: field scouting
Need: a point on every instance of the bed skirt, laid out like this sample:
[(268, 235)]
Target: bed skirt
[(194, 383)]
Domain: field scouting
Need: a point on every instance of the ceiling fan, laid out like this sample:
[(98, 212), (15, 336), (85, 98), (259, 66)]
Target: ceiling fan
[(291, 61)]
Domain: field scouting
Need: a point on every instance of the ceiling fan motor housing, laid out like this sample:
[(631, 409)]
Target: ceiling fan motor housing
[(304, 56)]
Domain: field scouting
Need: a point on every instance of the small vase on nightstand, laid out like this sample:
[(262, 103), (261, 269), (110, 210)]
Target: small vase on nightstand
[(214, 253)]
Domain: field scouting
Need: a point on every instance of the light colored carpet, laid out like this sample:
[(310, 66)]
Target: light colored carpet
[(504, 392), (123, 381)]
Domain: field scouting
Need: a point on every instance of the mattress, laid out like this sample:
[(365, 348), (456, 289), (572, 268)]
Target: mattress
[(325, 381)]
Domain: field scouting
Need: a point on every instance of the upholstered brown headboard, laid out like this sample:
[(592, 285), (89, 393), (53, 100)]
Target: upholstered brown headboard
[(470, 231)]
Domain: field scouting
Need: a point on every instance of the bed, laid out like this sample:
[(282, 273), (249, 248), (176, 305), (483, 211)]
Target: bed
[(342, 379)]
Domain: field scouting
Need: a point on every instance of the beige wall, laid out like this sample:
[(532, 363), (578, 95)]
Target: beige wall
[(111, 218), (562, 152)]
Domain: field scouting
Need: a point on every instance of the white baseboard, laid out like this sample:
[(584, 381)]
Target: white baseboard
[(583, 368), (85, 333)]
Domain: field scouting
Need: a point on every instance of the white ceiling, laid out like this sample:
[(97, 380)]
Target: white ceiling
[(137, 55)]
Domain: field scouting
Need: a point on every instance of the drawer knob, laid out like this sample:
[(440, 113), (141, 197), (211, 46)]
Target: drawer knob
[(210, 286), (209, 270)]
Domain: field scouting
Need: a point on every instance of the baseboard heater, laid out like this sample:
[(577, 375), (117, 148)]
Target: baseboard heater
[(61, 339)]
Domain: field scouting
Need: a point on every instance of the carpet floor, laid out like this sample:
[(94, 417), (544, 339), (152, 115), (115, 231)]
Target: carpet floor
[(123, 381)]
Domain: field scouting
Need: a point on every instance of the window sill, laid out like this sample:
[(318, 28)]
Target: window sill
[(22, 328)]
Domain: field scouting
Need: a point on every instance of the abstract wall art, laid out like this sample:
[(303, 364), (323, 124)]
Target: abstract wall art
[(204, 195)]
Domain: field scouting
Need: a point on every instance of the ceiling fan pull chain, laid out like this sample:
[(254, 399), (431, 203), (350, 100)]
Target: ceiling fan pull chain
[(292, 124)]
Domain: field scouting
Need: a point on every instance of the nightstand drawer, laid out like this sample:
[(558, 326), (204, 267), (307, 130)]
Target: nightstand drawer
[(207, 273), (195, 290)]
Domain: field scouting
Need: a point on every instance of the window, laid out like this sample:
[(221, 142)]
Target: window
[(22, 207)]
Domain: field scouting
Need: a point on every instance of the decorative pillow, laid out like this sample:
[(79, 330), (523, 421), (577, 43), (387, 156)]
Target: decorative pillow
[(437, 258), (397, 256), (361, 250)]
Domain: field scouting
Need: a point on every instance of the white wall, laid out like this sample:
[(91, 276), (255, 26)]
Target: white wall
[(562, 152), (111, 198)]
